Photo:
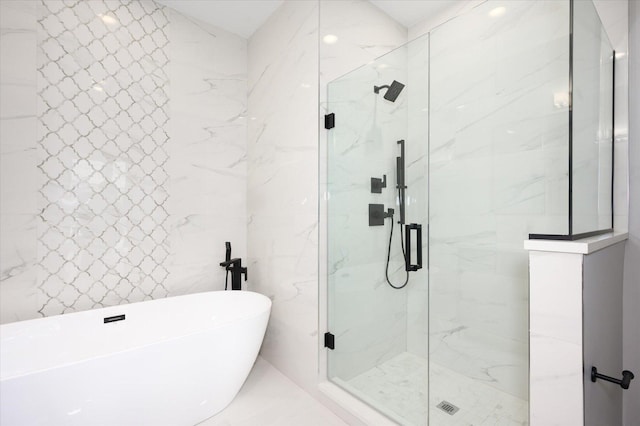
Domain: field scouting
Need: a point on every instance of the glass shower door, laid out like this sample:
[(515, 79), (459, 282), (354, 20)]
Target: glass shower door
[(377, 189)]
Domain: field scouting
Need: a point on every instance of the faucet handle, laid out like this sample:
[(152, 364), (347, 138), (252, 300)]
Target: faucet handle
[(244, 271)]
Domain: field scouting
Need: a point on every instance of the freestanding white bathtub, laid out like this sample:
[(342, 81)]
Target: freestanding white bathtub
[(174, 361)]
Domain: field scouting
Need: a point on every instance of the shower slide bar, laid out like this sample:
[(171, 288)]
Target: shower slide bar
[(401, 186)]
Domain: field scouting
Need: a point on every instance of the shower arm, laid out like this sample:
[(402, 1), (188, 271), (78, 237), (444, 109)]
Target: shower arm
[(393, 90)]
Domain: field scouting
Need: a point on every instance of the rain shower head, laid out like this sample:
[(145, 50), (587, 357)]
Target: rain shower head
[(392, 91)]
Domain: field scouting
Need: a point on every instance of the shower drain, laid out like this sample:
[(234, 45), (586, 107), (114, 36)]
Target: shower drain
[(448, 407)]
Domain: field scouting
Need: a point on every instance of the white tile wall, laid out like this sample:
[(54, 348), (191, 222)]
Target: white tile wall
[(364, 33), (431, 22), (282, 206), (207, 152), (367, 316), (491, 178), (122, 86), (418, 181), (18, 120), (556, 338)]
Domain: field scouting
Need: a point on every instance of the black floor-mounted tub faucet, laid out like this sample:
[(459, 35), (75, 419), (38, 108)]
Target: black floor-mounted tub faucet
[(235, 267)]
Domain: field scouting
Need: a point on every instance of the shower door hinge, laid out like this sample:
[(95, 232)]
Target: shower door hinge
[(329, 341), (329, 121)]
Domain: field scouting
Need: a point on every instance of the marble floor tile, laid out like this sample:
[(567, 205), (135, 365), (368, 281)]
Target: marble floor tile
[(268, 398), (398, 387)]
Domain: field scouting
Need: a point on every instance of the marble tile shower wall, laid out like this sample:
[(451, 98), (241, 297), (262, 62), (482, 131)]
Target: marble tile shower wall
[(418, 198), (368, 317), (114, 220), (495, 177)]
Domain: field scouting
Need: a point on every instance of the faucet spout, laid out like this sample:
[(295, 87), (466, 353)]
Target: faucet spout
[(231, 263)]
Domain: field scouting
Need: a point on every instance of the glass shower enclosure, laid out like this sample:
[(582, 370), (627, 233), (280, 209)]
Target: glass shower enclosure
[(443, 156)]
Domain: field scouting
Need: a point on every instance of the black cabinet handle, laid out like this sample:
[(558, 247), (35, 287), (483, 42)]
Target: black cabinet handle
[(418, 228), (627, 376)]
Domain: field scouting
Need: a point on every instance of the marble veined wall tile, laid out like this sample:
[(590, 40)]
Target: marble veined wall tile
[(441, 17), (363, 33), (498, 172), (556, 370), (368, 318), (19, 299), (18, 174), (418, 193), (282, 184), (207, 150)]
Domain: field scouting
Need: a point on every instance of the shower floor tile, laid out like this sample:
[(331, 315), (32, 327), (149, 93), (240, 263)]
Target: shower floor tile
[(399, 385)]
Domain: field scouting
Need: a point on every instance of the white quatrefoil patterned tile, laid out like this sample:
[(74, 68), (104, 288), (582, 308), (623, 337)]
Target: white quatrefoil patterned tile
[(103, 235)]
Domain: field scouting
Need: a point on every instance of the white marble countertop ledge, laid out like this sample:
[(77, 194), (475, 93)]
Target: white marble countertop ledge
[(583, 246)]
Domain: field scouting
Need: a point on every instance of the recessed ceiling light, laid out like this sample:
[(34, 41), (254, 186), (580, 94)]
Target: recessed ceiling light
[(497, 12), (330, 39)]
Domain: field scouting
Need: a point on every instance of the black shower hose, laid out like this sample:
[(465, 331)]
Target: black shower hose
[(404, 256)]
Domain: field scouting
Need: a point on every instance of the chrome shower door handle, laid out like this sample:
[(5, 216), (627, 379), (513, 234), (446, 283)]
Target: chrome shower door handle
[(418, 228)]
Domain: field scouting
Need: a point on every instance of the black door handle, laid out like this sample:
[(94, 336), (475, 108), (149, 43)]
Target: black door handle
[(418, 228)]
